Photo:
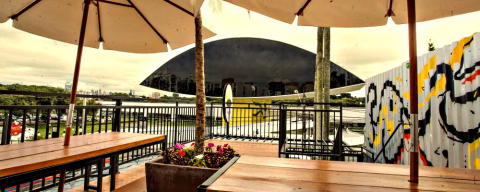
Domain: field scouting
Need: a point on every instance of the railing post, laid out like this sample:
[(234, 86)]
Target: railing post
[(117, 116), (5, 131), (283, 130), (211, 120), (338, 148), (176, 121), (56, 128)]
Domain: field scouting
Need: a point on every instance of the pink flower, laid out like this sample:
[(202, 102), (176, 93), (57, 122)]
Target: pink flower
[(220, 152), (211, 145), (179, 146)]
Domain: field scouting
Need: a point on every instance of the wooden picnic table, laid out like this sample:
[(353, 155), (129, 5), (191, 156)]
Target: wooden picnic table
[(277, 174), (32, 160)]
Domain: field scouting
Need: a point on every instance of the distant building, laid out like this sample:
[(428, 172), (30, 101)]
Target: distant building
[(253, 67)]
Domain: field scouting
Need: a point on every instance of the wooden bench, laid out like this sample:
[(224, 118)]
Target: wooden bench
[(274, 174), (26, 161)]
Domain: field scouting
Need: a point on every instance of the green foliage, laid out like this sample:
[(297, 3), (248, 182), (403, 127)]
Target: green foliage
[(31, 100), (431, 46), (119, 94)]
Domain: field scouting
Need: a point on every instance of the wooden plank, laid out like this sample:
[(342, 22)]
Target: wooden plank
[(232, 183), (438, 172), (75, 142), (52, 141), (249, 172), (250, 148), (23, 164), (124, 178), (140, 185)]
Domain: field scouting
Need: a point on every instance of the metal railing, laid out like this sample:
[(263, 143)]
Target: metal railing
[(299, 131), (250, 121), (311, 133)]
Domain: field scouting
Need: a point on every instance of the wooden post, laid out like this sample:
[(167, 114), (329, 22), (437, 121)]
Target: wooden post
[(412, 25)]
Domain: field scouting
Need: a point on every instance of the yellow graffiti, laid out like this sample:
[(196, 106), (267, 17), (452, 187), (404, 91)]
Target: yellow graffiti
[(431, 64), (248, 112), (377, 140), (458, 51), (390, 124), (440, 86), (472, 149), (399, 79), (406, 95)]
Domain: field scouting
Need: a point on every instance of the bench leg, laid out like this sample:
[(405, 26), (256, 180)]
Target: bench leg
[(86, 181), (61, 182), (113, 171), (100, 166)]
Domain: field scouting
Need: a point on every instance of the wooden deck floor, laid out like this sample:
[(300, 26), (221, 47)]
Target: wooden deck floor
[(134, 177), (259, 169), (275, 174)]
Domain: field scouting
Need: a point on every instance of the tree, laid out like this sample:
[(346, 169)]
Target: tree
[(326, 82), (318, 85), (200, 101), (322, 81), (431, 46)]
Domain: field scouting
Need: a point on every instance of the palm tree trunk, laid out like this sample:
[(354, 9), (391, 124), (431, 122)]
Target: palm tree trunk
[(200, 87), (326, 79), (318, 86)]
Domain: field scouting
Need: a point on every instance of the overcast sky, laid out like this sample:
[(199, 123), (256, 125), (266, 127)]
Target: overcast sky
[(32, 60)]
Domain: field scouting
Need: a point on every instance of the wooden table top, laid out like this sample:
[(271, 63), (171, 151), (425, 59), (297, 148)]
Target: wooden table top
[(28, 156), (278, 174)]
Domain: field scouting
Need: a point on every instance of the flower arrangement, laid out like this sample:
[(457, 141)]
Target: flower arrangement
[(214, 156)]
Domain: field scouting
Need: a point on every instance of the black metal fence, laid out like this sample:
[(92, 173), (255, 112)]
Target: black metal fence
[(30, 123), (313, 133)]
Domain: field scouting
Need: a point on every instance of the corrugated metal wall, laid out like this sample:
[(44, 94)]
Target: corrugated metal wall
[(449, 109)]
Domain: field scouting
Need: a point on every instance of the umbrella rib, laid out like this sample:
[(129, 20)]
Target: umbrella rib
[(114, 3), (148, 22), (390, 11), (99, 23), (300, 12), (15, 16), (181, 8)]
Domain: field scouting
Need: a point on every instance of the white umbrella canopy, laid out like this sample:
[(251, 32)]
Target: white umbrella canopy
[(355, 13), (137, 26)]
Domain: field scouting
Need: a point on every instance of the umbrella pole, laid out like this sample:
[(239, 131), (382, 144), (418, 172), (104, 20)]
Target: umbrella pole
[(73, 93), (412, 34)]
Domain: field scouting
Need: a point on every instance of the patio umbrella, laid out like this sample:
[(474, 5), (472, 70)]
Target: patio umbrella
[(137, 26), (366, 13)]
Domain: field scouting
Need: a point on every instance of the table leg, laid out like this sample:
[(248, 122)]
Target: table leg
[(86, 181), (100, 166), (61, 182)]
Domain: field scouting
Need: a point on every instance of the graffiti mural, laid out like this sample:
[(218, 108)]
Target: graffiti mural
[(449, 109)]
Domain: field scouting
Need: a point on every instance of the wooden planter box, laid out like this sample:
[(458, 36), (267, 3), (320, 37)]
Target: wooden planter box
[(167, 177)]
